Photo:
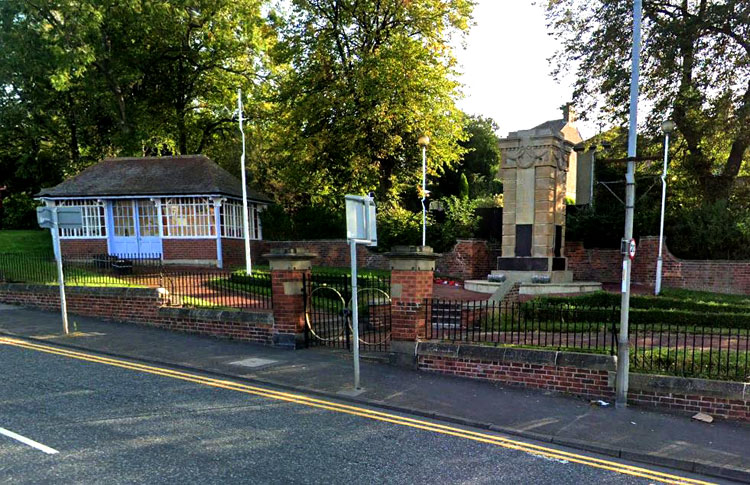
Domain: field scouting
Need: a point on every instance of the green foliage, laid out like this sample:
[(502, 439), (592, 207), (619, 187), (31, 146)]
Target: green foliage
[(479, 164), (305, 223), (694, 69), (399, 226), (702, 364), (360, 81), (670, 299), (87, 79), (461, 221), (463, 189), (710, 231), (19, 211)]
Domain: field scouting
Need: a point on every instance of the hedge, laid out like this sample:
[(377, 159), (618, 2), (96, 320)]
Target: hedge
[(604, 299)]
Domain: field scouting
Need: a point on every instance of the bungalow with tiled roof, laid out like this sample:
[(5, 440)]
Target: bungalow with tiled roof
[(181, 209)]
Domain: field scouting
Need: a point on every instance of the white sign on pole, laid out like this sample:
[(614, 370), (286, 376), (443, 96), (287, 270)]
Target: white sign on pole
[(54, 219), (360, 229), (361, 219)]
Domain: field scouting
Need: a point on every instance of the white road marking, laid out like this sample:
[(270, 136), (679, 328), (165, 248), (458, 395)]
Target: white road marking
[(29, 442)]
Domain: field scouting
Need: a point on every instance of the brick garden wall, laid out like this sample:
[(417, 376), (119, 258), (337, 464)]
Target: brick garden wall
[(82, 247), (605, 265), (586, 375), (143, 306), (469, 259), (189, 249), (579, 374)]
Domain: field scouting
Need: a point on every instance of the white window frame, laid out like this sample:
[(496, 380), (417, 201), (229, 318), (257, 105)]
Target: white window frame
[(94, 219), (200, 210), (231, 220)]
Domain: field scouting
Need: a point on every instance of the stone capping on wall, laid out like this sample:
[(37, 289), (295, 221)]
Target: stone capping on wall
[(103, 291), (257, 317), (518, 355), (739, 391)]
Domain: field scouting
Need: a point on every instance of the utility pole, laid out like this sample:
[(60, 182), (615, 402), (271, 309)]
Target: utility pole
[(245, 216), (423, 141), (623, 344)]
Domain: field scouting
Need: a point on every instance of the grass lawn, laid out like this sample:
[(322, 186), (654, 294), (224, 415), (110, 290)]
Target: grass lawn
[(25, 241)]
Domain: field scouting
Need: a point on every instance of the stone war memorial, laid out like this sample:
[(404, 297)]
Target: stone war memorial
[(539, 170)]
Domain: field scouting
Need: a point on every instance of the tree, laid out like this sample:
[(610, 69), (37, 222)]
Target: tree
[(363, 80), (479, 163), (86, 79), (695, 68)]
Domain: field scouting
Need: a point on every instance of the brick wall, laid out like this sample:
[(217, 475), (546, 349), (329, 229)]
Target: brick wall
[(721, 399), (233, 252), (579, 374), (409, 289), (143, 306), (189, 249), (82, 247), (605, 265), (469, 259), (587, 375)]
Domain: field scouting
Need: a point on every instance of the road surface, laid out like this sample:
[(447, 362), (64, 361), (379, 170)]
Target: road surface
[(75, 417)]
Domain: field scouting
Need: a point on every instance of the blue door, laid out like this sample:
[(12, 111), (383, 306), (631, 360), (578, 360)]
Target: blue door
[(135, 233)]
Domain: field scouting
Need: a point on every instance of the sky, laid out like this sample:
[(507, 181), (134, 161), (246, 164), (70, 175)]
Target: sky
[(505, 71)]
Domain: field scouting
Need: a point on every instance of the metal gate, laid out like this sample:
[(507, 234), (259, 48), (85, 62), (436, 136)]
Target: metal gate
[(328, 315)]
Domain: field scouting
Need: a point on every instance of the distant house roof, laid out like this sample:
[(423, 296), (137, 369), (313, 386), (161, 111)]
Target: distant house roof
[(153, 176)]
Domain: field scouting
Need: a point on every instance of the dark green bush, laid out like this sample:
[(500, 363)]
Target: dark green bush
[(19, 212), (650, 302)]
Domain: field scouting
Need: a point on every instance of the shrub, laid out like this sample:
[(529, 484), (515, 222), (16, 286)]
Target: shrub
[(398, 226), (19, 211)]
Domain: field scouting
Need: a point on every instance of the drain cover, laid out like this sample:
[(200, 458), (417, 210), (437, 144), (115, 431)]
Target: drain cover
[(254, 362)]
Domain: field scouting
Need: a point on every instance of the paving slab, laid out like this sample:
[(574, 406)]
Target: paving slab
[(634, 433)]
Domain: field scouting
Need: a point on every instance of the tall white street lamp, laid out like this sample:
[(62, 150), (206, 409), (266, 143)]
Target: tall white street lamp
[(423, 141), (245, 215), (667, 128)]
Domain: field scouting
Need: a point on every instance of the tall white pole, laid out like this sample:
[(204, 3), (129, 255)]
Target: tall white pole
[(355, 313), (245, 218), (60, 276), (623, 344), (424, 195), (657, 285)]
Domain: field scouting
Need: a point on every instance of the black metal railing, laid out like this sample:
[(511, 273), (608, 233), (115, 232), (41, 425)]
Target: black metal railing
[(99, 270), (717, 351), (328, 311), (191, 287), (219, 289), (524, 324)]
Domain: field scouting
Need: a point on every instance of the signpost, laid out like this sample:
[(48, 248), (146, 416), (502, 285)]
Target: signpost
[(360, 229), (54, 219)]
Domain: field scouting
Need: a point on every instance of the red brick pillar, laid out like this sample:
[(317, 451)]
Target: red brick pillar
[(412, 270), (288, 268)]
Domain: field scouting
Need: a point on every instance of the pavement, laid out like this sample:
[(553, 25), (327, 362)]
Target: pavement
[(719, 449)]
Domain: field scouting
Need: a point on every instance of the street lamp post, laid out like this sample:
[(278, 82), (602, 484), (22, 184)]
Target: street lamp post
[(423, 141), (667, 128), (623, 344)]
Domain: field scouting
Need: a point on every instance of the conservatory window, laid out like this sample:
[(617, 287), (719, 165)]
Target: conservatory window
[(231, 220), (94, 222), (188, 217)]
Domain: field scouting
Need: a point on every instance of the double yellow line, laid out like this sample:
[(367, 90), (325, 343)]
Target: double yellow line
[(537, 450)]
